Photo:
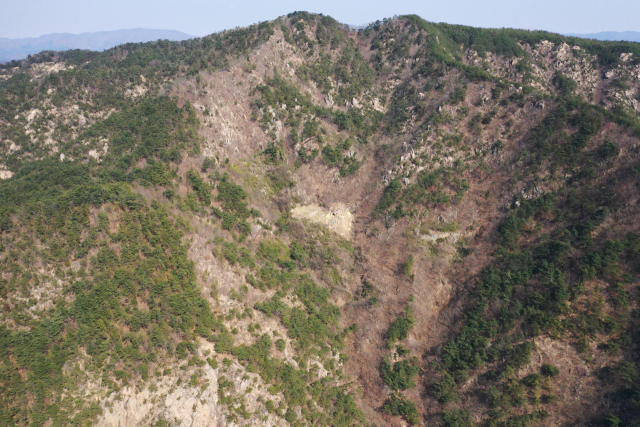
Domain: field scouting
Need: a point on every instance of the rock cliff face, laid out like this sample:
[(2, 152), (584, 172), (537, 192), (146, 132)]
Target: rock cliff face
[(187, 398), (171, 400), (299, 224)]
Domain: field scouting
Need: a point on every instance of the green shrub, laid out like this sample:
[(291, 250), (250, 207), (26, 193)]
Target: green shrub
[(230, 252), (445, 390), (298, 253), (520, 356), (275, 251), (246, 259), (457, 418), (533, 380), (201, 188), (627, 372), (401, 375), (402, 407), (549, 370), (407, 267), (399, 329), (458, 95), (333, 156)]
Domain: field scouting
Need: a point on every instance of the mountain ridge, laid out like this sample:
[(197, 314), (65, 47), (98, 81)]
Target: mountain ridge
[(17, 49), (632, 36)]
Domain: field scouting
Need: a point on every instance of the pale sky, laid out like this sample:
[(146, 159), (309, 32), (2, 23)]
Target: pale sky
[(32, 18)]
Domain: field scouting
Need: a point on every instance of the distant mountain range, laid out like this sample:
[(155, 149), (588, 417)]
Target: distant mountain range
[(630, 36), (11, 49)]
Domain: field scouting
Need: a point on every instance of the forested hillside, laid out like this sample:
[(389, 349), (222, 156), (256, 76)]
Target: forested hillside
[(300, 224)]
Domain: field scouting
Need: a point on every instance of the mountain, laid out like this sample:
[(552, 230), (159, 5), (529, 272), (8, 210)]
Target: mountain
[(16, 49), (631, 36), (299, 224)]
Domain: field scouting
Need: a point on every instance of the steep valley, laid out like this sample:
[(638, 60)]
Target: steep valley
[(296, 224)]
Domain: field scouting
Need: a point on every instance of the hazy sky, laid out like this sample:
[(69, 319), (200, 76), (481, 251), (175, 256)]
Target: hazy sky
[(32, 18)]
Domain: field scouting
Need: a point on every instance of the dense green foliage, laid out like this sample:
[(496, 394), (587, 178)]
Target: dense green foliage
[(399, 329), (539, 287), (333, 156), (504, 41), (152, 268), (313, 329), (432, 188), (398, 405), (156, 130), (52, 202), (400, 375), (235, 210)]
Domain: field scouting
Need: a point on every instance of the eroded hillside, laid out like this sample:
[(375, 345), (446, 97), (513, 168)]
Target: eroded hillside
[(299, 224)]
